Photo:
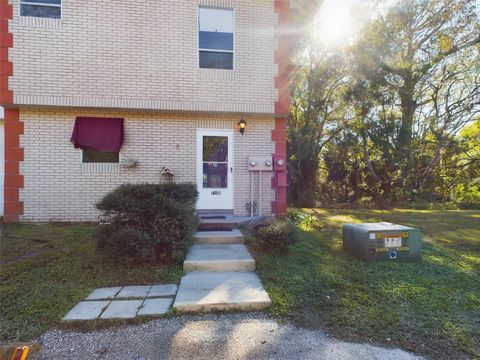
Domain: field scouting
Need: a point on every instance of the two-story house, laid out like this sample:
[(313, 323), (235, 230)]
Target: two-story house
[(100, 93)]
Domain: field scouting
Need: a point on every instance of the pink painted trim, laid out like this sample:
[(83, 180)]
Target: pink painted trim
[(13, 207), (282, 105)]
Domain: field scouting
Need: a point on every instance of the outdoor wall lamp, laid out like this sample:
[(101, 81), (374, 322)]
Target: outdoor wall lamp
[(242, 124)]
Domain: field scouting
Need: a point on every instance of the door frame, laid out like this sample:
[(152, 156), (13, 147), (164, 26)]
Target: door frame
[(199, 164)]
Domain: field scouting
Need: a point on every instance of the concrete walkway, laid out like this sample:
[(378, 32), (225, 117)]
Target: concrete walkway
[(210, 337), (220, 274)]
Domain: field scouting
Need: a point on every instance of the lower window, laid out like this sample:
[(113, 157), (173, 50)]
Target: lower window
[(41, 8), (94, 156)]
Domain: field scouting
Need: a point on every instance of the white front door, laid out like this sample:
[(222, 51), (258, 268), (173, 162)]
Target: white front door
[(215, 169)]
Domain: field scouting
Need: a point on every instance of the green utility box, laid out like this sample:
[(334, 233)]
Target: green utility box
[(382, 241)]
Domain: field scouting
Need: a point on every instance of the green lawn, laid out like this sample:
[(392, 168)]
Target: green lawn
[(431, 307), (46, 269)]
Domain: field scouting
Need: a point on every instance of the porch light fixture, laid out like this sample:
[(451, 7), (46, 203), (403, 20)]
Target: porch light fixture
[(242, 124)]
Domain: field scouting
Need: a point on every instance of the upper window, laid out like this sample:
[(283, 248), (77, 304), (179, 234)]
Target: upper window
[(41, 8), (215, 38)]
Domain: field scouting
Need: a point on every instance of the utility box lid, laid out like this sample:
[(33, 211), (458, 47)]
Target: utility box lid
[(381, 226)]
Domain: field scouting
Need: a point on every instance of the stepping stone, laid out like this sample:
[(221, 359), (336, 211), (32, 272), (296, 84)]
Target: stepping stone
[(208, 291), (233, 257), (122, 309), (136, 292), (162, 290), (219, 237), (104, 293), (86, 310), (153, 307)]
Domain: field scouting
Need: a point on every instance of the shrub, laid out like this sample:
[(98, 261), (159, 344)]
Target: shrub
[(469, 195), (301, 218), (147, 221), (275, 235), (294, 214)]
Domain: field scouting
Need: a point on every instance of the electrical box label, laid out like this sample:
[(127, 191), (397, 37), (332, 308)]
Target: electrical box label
[(383, 236), (393, 242)]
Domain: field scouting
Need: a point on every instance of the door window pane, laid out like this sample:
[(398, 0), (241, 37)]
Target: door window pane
[(215, 175), (215, 148)]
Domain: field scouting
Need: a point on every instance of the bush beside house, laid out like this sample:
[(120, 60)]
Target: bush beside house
[(275, 235), (147, 221)]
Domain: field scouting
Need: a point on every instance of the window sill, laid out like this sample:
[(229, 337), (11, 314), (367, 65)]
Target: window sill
[(39, 22), (218, 3), (100, 168), (216, 74)]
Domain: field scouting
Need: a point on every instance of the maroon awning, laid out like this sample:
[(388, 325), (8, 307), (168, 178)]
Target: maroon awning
[(101, 134)]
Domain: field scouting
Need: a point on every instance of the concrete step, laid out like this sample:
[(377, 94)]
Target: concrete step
[(231, 257), (221, 221), (219, 237), (208, 225), (210, 291)]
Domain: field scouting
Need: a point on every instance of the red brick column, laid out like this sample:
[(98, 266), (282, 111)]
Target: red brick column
[(13, 127), (282, 106), (6, 41)]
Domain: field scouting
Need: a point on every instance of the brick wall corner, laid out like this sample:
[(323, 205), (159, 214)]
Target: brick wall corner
[(282, 105), (13, 127)]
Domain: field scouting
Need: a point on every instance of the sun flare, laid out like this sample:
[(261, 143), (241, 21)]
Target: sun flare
[(333, 23)]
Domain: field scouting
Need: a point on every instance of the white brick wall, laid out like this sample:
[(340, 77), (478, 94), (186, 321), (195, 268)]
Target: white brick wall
[(142, 54), (56, 188)]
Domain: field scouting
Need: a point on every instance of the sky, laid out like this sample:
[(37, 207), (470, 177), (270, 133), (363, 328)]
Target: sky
[(337, 21)]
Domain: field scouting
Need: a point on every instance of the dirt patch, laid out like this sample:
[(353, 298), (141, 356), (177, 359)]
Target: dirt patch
[(29, 255)]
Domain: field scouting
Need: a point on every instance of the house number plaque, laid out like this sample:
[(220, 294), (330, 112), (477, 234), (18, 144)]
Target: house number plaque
[(216, 192)]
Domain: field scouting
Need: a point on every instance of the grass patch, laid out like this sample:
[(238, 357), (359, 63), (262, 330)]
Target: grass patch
[(431, 307), (45, 270)]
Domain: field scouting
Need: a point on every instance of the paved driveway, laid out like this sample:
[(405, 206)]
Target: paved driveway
[(214, 336)]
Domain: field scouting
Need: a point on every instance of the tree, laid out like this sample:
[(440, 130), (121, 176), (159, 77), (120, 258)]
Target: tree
[(420, 44), (460, 175), (317, 115), (383, 119)]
